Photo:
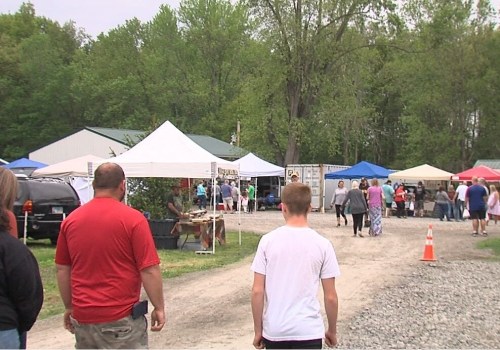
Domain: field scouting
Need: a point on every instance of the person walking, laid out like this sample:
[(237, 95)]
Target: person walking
[(493, 204), (227, 197), (285, 306), (389, 197), (419, 199), (251, 197), (475, 200), (201, 193), (8, 193), (104, 252), (337, 200), (21, 289), (459, 200), (375, 199), (451, 205), (400, 199), (235, 195), (363, 186), (443, 202), (358, 207)]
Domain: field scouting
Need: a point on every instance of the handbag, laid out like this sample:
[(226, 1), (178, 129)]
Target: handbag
[(368, 223), (466, 214), (412, 206)]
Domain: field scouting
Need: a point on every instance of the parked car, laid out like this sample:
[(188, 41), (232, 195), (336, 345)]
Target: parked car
[(47, 202)]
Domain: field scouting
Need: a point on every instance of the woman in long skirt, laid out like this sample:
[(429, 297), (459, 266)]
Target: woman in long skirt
[(375, 199)]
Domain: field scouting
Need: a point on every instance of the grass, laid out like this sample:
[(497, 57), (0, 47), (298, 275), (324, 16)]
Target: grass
[(493, 244), (173, 263)]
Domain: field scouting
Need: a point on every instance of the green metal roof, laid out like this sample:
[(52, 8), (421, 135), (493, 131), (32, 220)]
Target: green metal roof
[(217, 147), (491, 163), (119, 135)]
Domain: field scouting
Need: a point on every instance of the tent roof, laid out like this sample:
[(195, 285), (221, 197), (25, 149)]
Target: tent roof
[(167, 152), (24, 163), (357, 171), (421, 172), (253, 166), (480, 171), (211, 144), (73, 167)]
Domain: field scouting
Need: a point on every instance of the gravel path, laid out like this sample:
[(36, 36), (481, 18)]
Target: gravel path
[(452, 305)]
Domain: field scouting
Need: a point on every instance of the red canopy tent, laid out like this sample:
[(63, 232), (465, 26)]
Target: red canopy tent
[(480, 171)]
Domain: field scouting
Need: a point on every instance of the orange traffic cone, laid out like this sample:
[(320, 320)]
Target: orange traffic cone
[(429, 247)]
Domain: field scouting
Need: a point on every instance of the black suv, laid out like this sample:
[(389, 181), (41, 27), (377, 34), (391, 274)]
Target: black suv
[(47, 202)]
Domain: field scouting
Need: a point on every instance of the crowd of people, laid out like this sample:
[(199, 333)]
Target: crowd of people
[(373, 202)]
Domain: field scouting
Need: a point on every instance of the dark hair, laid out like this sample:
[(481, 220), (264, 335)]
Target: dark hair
[(108, 176), (441, 189)]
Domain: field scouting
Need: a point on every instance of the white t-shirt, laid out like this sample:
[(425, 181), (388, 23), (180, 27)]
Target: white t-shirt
[(294, 260), (461, 190)]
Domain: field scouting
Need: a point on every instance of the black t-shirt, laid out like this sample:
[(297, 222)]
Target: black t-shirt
[(420, 193), (21, 290)]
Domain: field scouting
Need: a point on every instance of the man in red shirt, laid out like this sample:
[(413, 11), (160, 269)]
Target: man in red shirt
[(104, 252)]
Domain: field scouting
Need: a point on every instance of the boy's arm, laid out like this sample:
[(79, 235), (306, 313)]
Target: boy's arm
[(331, 308), (258, 290)]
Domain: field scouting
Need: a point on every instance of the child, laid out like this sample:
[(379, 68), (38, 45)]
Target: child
[(244, 201)]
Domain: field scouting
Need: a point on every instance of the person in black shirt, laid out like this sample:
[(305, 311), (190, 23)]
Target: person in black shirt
[(21, 290), (419, 199)]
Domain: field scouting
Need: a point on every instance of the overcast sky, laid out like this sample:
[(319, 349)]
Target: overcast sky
[(97, 16)]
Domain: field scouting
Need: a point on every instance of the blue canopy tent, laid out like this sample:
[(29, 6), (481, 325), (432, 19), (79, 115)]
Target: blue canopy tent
[(362, 169), (24, 166)]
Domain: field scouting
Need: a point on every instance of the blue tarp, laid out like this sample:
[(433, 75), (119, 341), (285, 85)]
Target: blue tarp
[(362, 169), (24, 163)]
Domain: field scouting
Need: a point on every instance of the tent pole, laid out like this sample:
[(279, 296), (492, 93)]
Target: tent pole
[(239, 210), (213, 219)]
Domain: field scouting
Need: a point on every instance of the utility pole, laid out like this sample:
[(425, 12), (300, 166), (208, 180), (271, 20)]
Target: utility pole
[(238, 129)]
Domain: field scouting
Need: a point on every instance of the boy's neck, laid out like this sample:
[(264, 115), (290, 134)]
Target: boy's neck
[(297, 221)]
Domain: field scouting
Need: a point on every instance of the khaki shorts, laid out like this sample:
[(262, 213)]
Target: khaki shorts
[(125, 333), (228, 203)]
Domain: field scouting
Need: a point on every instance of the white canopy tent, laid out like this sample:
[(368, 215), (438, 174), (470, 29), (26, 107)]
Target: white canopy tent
[(421, 172), (76, 171), (167, 152), (73, 167), (253, 166)]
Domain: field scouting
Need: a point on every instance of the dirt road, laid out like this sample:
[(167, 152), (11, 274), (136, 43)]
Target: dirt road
[(212, 309)]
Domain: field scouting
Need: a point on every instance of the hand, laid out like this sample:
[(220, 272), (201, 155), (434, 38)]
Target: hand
[(67, 321), (258, 343), (157, 319), (331, 339)]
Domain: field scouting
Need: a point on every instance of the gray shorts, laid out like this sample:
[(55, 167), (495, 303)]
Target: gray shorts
[(125, 333), (419, 205)]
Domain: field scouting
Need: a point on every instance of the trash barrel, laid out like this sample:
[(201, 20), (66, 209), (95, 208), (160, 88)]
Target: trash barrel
[(162, 236), (166, 242)]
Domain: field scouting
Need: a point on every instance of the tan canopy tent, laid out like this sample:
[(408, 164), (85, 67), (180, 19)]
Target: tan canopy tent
[(421, 172)]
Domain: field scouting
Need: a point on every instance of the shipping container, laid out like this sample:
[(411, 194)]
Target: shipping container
[(313, 175)]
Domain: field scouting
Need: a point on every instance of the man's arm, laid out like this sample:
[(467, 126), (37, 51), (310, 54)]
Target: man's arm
[(331, 308), (63, 273), (258, 290), (153, 284)]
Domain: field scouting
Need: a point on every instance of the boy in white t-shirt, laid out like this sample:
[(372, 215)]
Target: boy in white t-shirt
[(288, 266)]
